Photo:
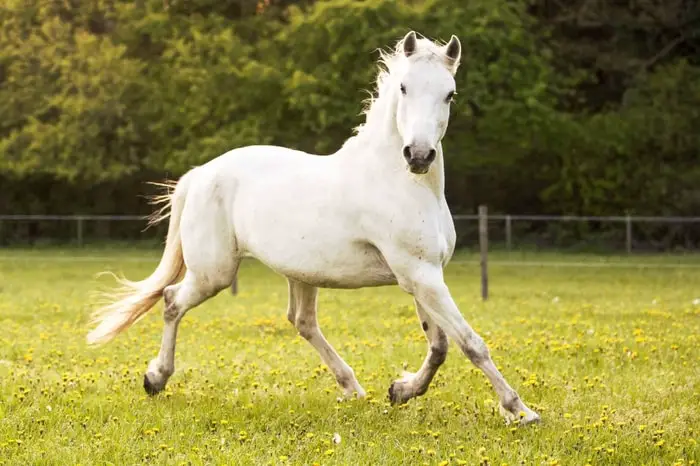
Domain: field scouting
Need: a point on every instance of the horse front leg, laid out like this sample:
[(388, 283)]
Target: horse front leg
[(412, 385), (426, 283)]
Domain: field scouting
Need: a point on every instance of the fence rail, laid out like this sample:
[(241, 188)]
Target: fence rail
[(581, 218), (508, 221), (78, 219), (628, 220)]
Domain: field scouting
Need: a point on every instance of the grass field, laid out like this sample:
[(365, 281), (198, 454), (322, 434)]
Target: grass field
[(608, 354)]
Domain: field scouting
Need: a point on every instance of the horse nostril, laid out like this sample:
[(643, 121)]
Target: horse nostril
[(407, 152), (431, 155)]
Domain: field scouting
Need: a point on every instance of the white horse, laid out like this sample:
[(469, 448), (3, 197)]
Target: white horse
[(371, 214)]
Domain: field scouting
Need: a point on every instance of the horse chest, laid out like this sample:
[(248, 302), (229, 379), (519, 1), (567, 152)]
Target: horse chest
[(426, 232), (433, 243)]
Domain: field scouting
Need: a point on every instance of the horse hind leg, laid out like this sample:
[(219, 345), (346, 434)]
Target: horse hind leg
[(209, 253), (162, 367), (302, 313), (179, 299)]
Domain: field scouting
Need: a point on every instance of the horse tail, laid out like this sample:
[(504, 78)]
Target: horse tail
[(132, 300)]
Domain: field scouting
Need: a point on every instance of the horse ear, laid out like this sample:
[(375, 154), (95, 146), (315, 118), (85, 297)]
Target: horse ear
[(409, 44), (453, 50)]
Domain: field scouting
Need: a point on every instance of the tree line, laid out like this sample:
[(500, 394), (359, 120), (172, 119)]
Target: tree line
[(564, 107)]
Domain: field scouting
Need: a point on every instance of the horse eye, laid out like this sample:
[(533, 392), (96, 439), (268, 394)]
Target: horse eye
[(403, 89), (449, 97)]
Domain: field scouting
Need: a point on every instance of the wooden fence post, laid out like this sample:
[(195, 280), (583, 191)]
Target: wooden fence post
[(484, 247), (509, 233), (80, 231)]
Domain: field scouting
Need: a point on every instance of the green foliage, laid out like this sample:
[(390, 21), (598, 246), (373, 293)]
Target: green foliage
[(105, 91), (69, 96), (210, 97), (641, 157)]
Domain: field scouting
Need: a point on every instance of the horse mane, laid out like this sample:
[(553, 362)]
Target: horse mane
[(392, 60)]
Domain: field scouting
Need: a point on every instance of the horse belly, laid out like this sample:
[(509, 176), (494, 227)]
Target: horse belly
[(319, 261), (355, 268), (318, 253)]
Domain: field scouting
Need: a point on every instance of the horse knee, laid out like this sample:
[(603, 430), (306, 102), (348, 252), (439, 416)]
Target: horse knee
[(346, 377), (476, 350)]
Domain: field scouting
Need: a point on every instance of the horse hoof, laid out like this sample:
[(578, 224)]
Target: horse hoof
[(149, 387), (395, 395)]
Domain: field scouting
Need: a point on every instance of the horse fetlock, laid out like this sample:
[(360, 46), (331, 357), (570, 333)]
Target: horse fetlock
[(348, 382), (354, 390), (346, 379)]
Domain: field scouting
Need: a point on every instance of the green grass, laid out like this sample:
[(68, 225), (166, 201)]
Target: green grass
[(607, 355)]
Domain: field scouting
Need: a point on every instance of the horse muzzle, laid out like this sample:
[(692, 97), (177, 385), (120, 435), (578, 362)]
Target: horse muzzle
[(419, 158)]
